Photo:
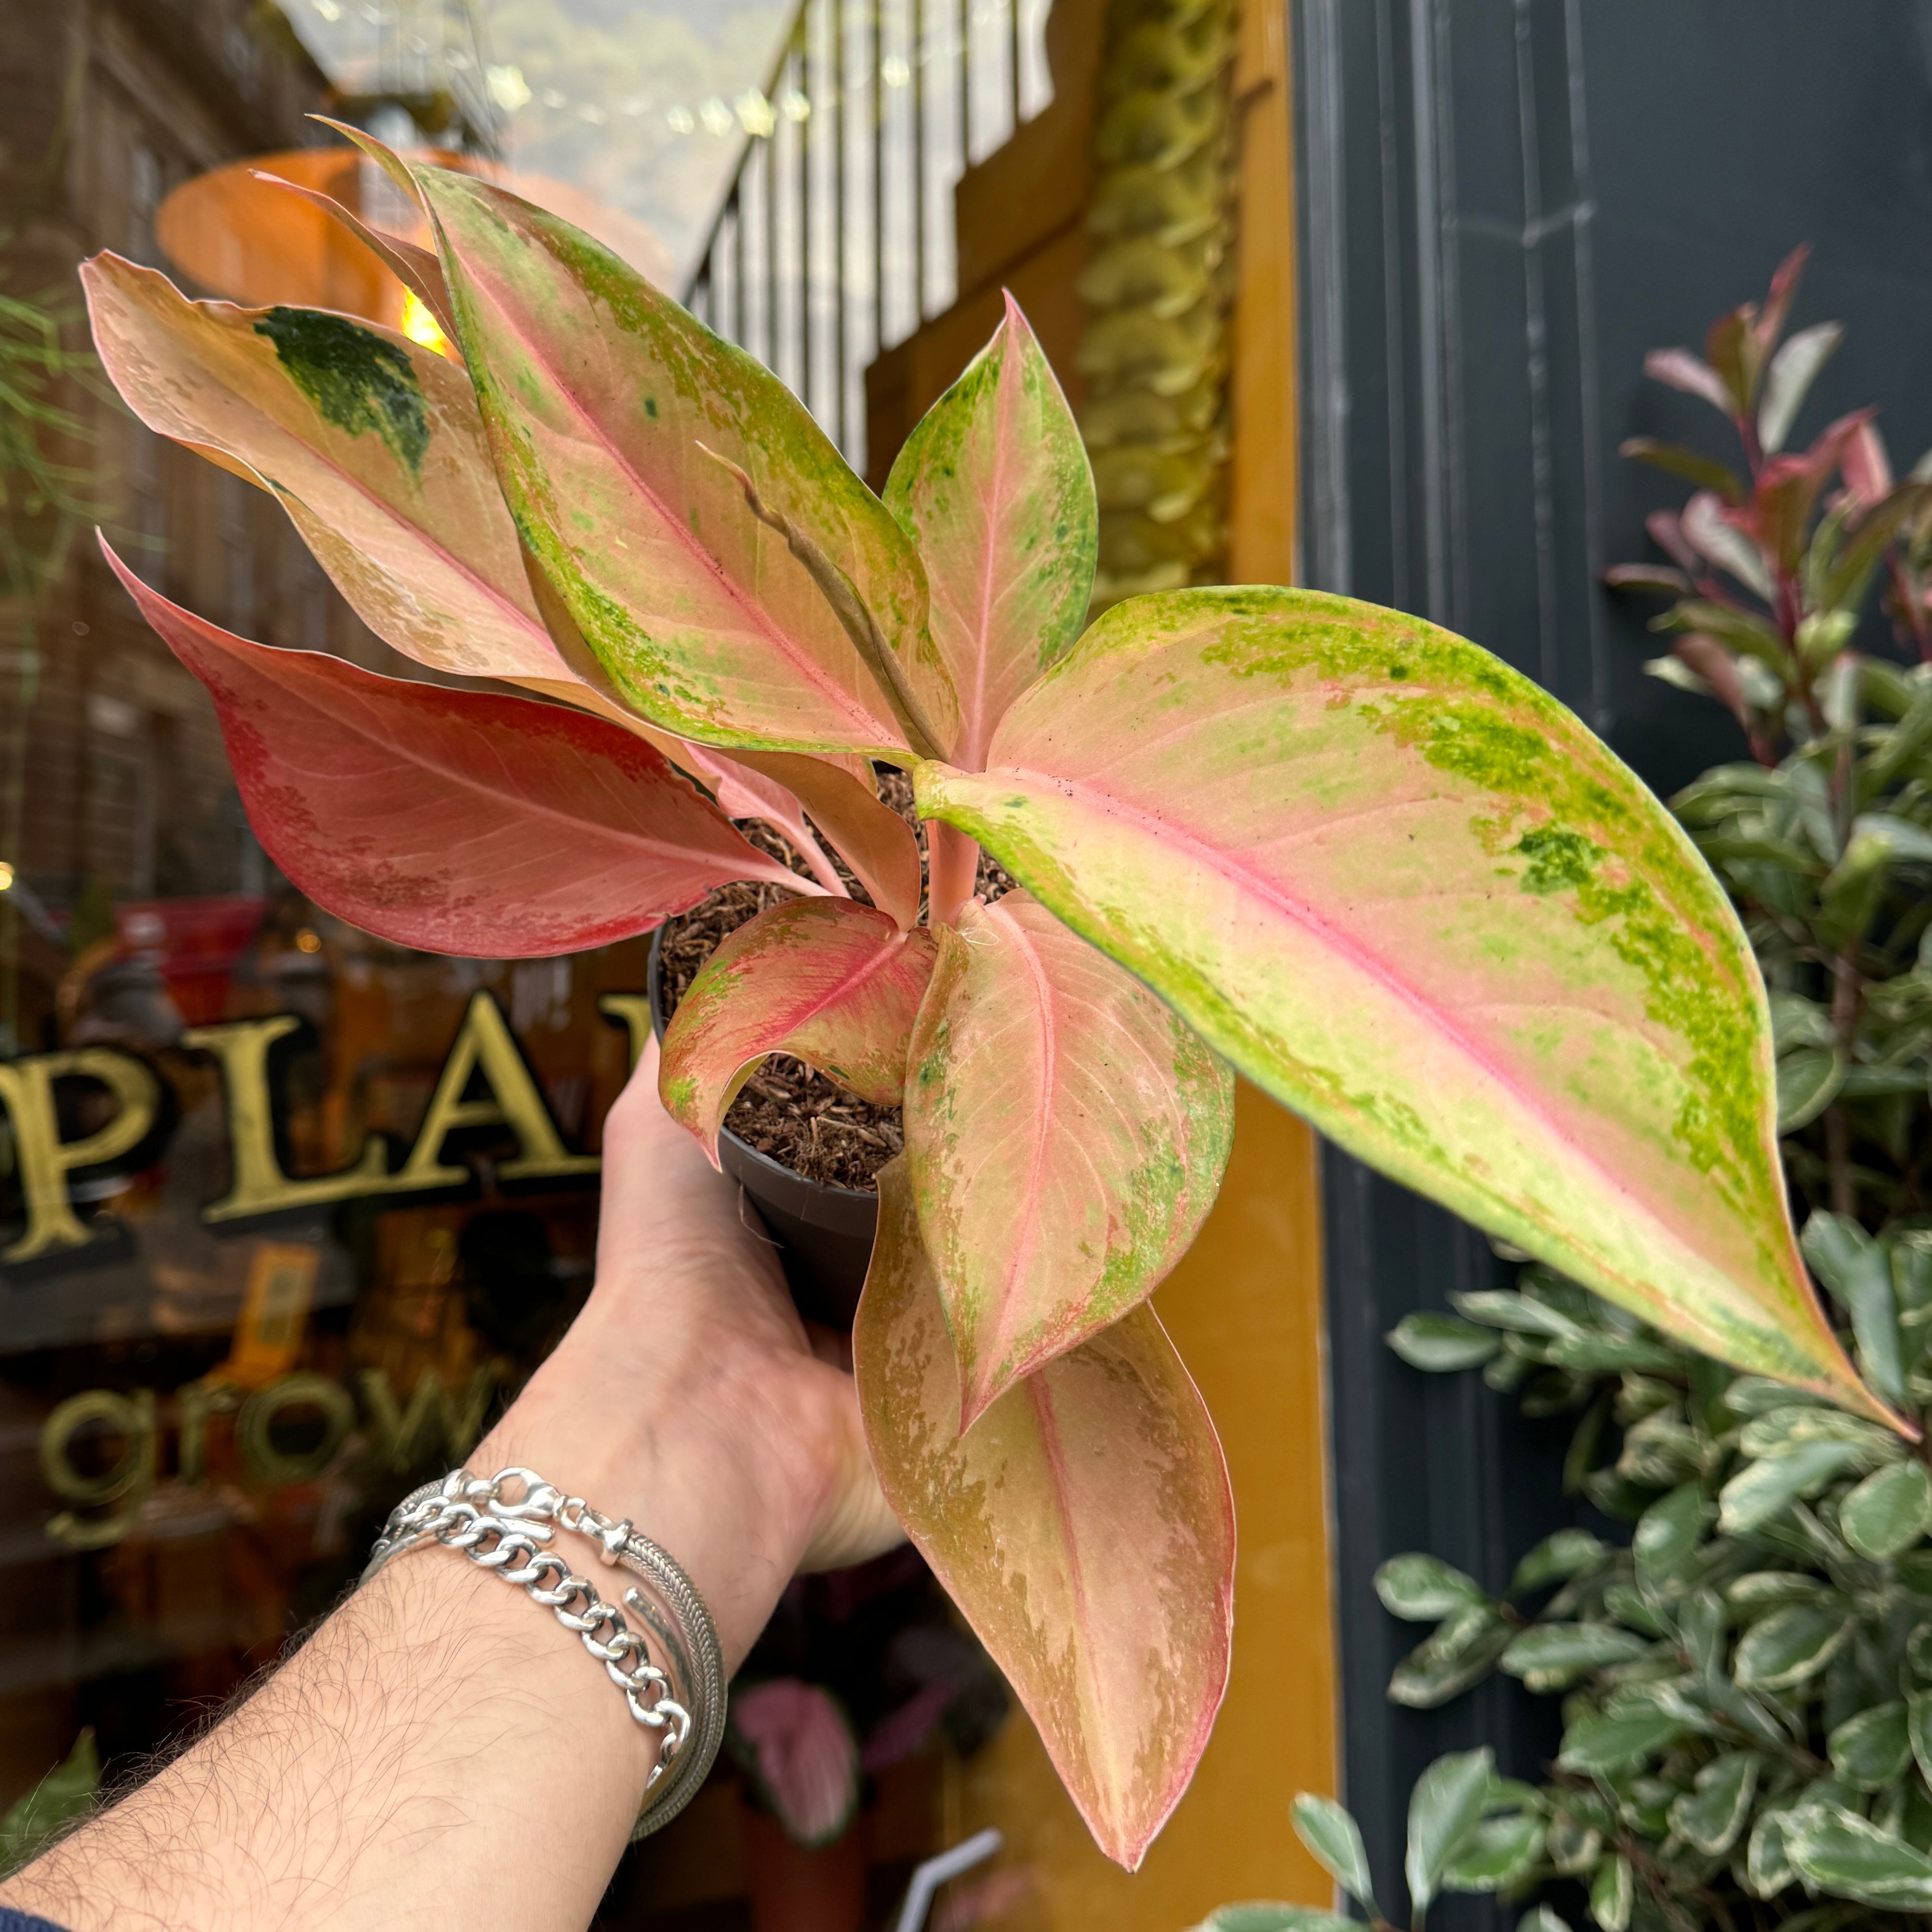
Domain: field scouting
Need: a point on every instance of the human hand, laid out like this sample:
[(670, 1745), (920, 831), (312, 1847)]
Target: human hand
[(371, 1784), (689, 1395)]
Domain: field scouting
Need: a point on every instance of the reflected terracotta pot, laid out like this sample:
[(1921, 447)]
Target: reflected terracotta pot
[(797, 1887)]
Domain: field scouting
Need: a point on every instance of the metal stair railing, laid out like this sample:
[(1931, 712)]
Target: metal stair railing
[(834, 241)]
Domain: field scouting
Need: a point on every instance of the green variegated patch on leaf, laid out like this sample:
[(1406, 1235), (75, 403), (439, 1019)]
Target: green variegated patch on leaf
[(370, 443), (1406, 891)]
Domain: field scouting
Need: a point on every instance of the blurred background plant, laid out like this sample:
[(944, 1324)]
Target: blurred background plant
[(1746, 1682), (65, 1794)]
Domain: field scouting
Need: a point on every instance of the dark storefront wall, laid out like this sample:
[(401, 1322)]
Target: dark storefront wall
[(1504, 204)]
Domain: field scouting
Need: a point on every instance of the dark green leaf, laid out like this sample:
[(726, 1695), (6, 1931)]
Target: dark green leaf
[(1658, 578), (1447, 1801), (1672, 457), (1548, 1656), (1439, 1342), (1540, 1919), (1700, 1623), (1601, 1744), (1759, 1395), (1852, 893), (1767, 1860), (1766, 1589), (1558, 1556), (1494, 1853), (1808, 1080), (1627, 1606), (1334, 1841), (1463, 1651), (1918, 1731), (1422, 1588), (1797, 1423), (1611, 1894), (1612, 1354), (1887, 1512), (1857, 1269), (1870, 1750), (1765, 1489), (1500, 1308), (1914, 1569), (1743, 630), (1711, 1816), (1670, 1530), (1792, 1644), (1837, 1851)]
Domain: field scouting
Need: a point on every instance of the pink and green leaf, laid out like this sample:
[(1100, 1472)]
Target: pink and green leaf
[(1065, 1135), (1410, 896), (371, 442), (995, 487), (458, 821), (872, 838), (801, 1755), (835, 983), (1084, 1525), (614, 416)]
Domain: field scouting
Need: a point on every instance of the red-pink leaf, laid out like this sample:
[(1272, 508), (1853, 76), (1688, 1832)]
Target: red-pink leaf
[(1665, 529), (836, 983), (1083, 1524), (1718, 668), (1066, 1134), (1769, 325), (1867, 466), (803, 1755), (1681, 370), (458, 821)]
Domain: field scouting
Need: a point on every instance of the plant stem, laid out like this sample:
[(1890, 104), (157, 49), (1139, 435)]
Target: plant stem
[(953, 871)]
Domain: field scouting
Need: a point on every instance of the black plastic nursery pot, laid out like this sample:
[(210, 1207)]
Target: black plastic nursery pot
[(824, 1234)]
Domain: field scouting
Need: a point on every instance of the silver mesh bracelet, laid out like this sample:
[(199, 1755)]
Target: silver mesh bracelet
[(503, 1523)]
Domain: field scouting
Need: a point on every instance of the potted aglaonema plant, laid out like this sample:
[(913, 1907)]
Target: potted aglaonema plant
[(1326, 846)]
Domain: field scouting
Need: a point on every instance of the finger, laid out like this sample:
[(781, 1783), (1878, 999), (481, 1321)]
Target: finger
[(666, 1211), (857, 1522)]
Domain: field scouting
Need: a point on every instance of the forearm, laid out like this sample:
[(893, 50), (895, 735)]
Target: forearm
[(441, 1751)]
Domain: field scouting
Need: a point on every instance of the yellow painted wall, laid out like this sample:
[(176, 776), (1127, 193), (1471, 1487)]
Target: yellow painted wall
[(1245, 1310)]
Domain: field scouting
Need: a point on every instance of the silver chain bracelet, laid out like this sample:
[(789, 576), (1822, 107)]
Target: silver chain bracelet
[(503, 1523)]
